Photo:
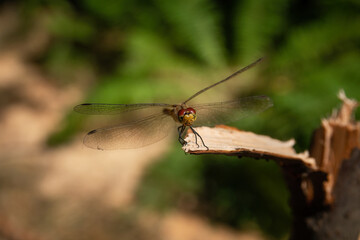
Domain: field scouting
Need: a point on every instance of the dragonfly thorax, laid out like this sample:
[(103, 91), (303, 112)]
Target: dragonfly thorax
[(187, 116)]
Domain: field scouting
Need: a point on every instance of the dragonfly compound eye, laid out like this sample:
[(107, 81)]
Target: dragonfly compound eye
[(191, 110), (187, 116)]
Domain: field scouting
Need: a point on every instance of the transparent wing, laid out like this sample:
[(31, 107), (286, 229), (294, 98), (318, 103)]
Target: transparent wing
[(210, 114), (108, 109), (134, 134)]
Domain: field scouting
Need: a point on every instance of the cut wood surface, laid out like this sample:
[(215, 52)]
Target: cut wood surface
[(231, 141)]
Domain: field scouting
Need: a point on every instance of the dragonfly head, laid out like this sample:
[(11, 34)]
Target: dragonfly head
[(187, 116)]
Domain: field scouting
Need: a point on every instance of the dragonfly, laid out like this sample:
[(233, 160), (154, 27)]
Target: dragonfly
[(163, 118)]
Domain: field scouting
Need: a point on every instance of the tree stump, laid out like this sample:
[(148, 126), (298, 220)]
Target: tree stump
[(324, 182)]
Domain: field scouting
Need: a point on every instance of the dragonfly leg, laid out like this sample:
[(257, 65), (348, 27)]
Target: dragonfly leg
[(197, 134), (180, 131)]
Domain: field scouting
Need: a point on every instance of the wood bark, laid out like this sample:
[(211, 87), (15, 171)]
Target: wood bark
[(324, 182)]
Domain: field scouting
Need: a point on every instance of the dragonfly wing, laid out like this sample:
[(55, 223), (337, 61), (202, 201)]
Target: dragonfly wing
[(223, 112), (131, 135), (109, 109)]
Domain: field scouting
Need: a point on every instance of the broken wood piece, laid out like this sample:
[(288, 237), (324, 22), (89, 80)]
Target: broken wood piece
[(231, 141), (334, 141)]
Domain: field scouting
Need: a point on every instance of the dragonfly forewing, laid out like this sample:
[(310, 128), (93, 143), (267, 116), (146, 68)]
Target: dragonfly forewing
[(109, 109)]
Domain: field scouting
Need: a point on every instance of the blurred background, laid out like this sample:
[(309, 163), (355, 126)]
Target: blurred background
[(57, 54)]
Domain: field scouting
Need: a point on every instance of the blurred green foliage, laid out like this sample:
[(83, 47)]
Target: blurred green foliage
[(157, 50)]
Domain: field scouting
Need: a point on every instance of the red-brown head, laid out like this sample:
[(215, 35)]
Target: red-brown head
[(187, 116)]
